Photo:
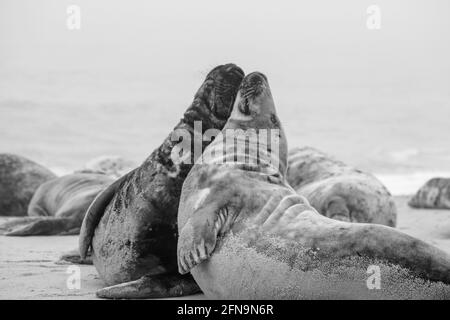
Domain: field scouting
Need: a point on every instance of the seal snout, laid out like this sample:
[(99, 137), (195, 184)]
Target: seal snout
[(227, 74), (233, 69), (253, 84), (226, 80)]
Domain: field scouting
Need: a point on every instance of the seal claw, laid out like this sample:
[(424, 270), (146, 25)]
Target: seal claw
[(202, 250), (182, 266)]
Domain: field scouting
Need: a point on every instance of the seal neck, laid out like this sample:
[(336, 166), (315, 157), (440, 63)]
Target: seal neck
[(258, 150)]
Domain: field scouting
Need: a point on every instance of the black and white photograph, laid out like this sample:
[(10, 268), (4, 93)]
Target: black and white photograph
[(224, 150)]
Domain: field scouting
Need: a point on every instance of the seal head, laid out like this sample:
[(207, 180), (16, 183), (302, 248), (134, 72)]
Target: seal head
[(254, 111)]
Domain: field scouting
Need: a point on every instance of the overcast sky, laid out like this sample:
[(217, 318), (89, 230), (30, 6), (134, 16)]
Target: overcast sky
[(325, 41), (330, 75)]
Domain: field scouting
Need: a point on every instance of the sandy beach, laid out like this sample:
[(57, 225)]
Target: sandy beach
[(29, 267)]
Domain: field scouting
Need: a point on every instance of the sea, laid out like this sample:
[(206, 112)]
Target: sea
[(63, 120)]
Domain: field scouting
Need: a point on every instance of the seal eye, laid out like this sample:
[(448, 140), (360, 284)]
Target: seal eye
[(244, 107)]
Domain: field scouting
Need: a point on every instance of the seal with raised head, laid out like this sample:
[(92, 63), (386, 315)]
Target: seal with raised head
[(132, 225), (19, 179), (245, 233), (338, 190), (58, 206), (435, 194)]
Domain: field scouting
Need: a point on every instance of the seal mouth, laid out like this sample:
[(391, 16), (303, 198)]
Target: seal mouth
[(226, 80), (253, 85)]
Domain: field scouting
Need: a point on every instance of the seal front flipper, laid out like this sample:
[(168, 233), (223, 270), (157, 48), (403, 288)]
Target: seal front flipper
[(95, 212), (214, 214), (74, 257), (197, 239), (152, 286)]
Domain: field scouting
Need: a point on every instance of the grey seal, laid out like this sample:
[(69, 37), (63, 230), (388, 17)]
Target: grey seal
[(435, 194), (131, 227), (338, 190), (246, 233), (58, 206), (19, 179)]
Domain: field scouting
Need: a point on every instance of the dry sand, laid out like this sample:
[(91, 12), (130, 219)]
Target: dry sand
[(29, 268)]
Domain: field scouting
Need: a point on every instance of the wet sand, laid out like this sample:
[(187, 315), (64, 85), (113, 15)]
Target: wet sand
[(29, 267)]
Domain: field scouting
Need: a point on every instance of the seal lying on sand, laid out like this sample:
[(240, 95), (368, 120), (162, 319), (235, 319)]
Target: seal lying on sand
[(245, 233), (59, 205), (339, 191), (19, 179), (132, 225), (435, 194)]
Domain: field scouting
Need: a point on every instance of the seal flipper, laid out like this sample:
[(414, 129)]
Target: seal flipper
[(337, 209), (43, 226), (9, 226), (95, 212), (152, 286), (213, 216), (196, 242), (71, 232), (74, 257)]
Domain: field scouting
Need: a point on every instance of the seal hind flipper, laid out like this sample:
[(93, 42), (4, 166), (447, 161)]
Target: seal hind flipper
[(155, 286), (71, 232), (43, 226), (337, 209), (9, 226), (95, 212)]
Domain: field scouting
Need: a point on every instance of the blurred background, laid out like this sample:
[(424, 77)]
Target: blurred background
[(376, 99)]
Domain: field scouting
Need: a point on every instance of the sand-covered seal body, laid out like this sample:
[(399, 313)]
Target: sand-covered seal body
[(19, 179), (58, 206), (132, 226), (245, 233), (435, 194), (338, 190)]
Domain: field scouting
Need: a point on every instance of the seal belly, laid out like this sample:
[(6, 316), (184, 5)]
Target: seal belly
[(294, 273)]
